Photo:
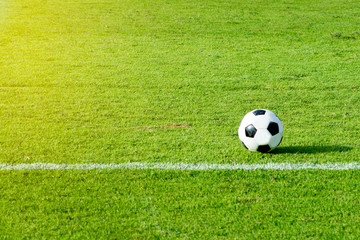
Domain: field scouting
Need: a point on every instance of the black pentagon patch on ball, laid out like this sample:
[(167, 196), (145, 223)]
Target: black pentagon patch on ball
[(250, 131), (259, 112), (263, 148), (273, 128)]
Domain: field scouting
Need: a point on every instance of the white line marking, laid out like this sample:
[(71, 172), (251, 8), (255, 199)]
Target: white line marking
[(180, 166)]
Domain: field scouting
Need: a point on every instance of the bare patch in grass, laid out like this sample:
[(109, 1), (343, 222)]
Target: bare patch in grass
[(171, 126)]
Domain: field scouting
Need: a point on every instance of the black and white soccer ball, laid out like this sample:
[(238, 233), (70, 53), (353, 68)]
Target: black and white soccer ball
[(261, 130)]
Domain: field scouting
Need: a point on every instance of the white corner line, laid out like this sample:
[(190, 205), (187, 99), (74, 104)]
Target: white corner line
[(180, 166)]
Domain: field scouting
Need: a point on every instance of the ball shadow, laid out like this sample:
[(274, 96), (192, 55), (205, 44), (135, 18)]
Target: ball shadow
[(312, 149)]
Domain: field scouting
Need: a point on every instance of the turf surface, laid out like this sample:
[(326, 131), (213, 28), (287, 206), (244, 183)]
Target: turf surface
[(169, 204), (90, 81)]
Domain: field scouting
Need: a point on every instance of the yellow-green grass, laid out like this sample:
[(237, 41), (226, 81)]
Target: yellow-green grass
[(115, 81), (92, 81)]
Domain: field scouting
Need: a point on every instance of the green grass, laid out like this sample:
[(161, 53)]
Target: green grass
[(90, 81), (170, 204)]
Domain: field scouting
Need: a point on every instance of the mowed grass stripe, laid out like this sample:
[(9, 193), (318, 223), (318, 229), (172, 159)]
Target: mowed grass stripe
[(182, 166)]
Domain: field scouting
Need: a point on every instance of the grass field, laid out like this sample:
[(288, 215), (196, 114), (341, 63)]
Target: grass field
[(165, 81)]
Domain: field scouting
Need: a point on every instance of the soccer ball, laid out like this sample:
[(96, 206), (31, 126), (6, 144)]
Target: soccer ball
[(261, 130)]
